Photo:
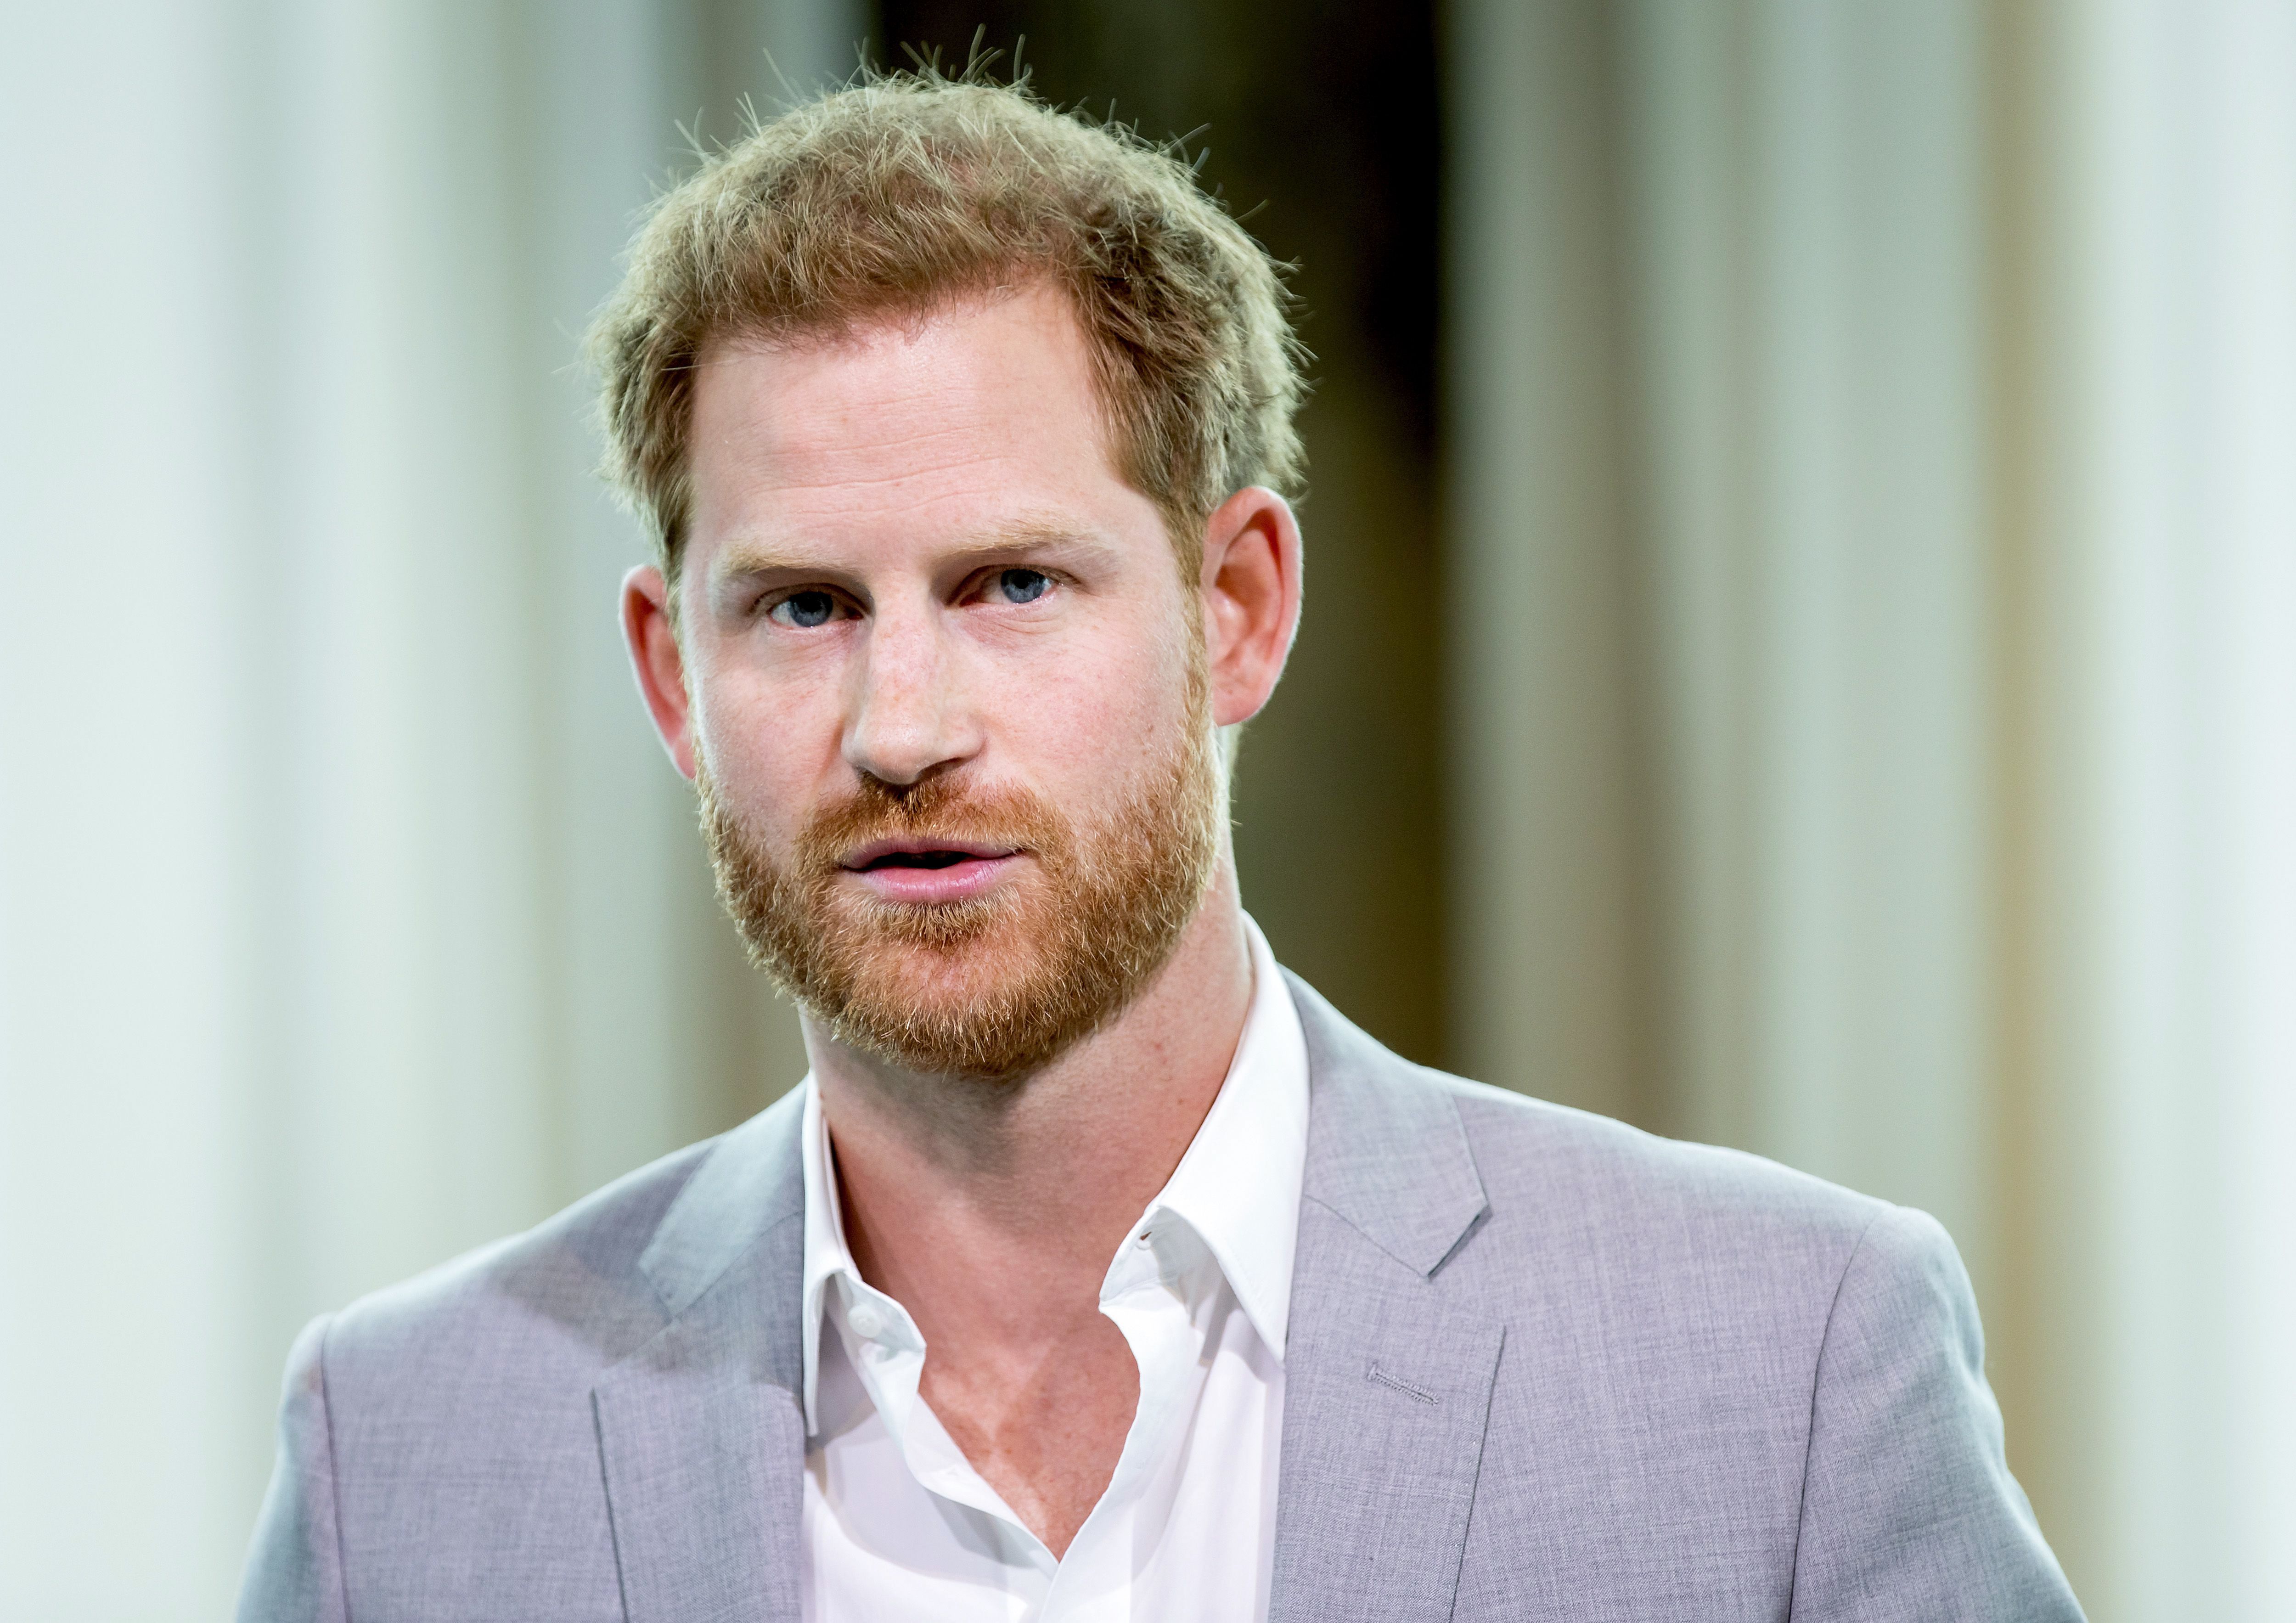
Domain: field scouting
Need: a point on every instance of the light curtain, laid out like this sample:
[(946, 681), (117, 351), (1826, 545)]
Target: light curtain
[(1875, 526), (349, 914)]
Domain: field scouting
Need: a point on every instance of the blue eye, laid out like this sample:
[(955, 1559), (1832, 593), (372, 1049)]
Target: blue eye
[(1023, 585), (806, 610)]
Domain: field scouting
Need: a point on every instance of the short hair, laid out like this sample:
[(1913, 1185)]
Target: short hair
[(898, 192)]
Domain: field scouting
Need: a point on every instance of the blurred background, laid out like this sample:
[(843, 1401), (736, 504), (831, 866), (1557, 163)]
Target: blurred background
[(1800, 653)]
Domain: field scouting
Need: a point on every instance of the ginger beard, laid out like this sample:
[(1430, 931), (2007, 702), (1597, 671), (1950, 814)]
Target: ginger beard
[(998, 985)]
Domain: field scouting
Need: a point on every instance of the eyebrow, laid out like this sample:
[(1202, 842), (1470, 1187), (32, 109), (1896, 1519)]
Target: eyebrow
[(743, 559)]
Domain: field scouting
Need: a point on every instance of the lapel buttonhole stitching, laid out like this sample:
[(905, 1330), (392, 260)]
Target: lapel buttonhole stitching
[(1402, 1386)]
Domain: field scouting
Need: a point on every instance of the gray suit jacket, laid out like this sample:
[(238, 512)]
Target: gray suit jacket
[(1540, 1365)]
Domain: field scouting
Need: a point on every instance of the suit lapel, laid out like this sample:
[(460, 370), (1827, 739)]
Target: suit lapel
[(701, 1433), (1387, 1378), (704, 1469)]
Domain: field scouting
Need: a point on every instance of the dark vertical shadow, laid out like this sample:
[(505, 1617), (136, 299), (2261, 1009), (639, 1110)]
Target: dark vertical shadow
[(1322, 121)]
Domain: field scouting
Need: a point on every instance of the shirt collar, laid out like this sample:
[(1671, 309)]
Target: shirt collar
[(826, 1255), (1238, 1187)]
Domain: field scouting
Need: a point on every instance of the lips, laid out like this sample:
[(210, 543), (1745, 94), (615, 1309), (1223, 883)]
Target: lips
[(923, 869), (915, 853)]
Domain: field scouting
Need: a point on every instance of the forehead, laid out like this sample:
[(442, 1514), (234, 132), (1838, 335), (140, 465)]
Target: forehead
[(960, 415)]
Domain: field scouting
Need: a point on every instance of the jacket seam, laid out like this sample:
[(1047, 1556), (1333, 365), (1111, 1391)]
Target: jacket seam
[(1472, 1227), (1475, 1479), (606, 1487), (671, 1310), (335, 1478), (672, 1316), (1816, 1380)]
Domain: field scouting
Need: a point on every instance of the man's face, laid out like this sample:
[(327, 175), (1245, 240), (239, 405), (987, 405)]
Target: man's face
[(950, 708)]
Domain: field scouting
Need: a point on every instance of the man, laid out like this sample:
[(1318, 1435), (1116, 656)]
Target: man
[(1099, 1269)]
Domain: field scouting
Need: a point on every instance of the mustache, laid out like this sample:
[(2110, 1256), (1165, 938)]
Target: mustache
[(938, 810)]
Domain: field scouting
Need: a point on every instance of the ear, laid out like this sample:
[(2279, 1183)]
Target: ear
[(659, 662), (1251, 588)]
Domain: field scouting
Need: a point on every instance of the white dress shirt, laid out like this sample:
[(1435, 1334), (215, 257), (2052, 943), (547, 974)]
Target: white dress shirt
[(898, 1524)]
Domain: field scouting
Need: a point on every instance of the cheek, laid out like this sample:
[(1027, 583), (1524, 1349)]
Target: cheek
[(768, 744), (1085, 715)]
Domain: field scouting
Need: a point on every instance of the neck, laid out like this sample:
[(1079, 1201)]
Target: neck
[(994, 1208)]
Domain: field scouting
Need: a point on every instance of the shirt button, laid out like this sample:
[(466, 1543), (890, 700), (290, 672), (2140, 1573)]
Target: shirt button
[(867, 1322), (1146, 1236)]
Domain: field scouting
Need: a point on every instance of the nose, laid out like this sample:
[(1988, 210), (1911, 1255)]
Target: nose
[(906, 718)]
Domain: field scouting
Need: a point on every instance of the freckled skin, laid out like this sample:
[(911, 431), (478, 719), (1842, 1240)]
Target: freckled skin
[(837, 464), (844, 609)]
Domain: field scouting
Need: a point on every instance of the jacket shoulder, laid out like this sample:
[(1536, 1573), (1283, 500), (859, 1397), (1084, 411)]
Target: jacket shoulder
[(573, 1281), (1525, 1147), (1668, 1245), (1563, 1194)]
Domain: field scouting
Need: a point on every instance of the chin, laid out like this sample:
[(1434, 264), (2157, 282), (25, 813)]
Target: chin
[(997, 1007), (946, 983)]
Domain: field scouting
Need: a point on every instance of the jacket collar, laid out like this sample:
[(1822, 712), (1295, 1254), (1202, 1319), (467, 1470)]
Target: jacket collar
[(703, 1433), (1388, 1385), (1386, 1150), (750, 1182), (700, 1433), (1392, 1162)]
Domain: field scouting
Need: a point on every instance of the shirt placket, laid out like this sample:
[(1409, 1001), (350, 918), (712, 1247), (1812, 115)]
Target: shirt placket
[(889, 1352), (1142, 1296)]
